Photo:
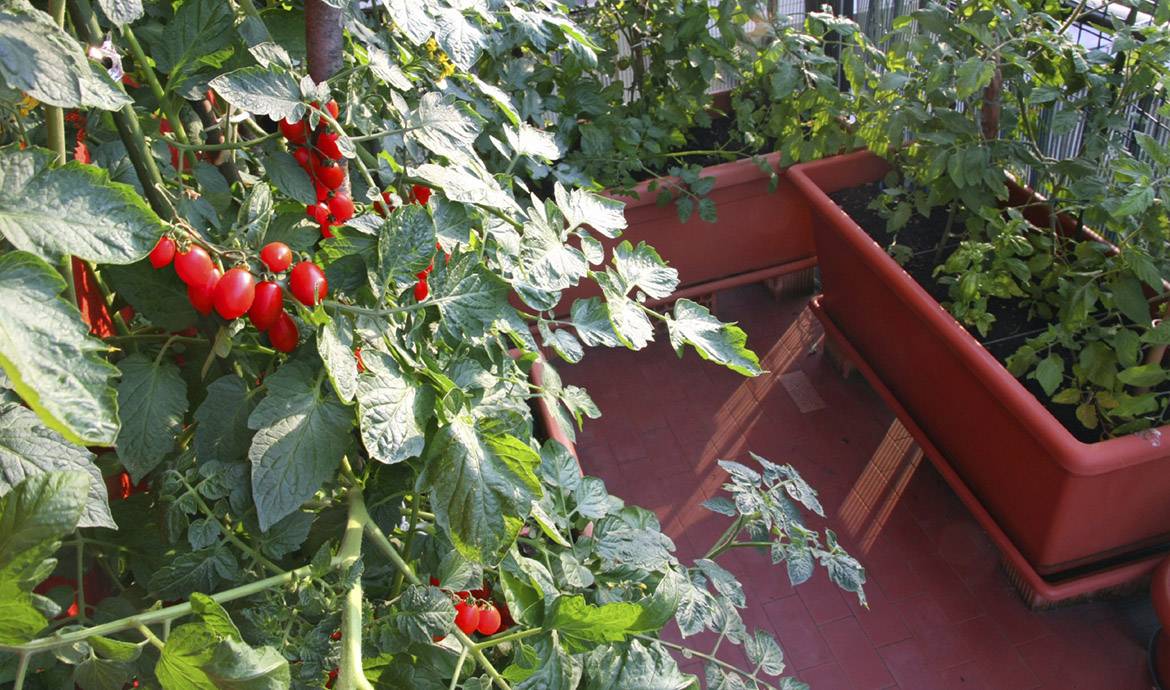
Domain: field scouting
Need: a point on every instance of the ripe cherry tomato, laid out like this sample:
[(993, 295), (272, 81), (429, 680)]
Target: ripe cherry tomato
[(304, 157), (330, 174), (293, 131), (325, 231), (283, 334), (307, 283), (388, 203), (193, 265), (318, 212), (266, 306), (202, 295), (422, 194), (327, 145), (323, 192), (163, 253), (234, 293), (421, 289), (341, 208), (276, 256), (489, 620), (331, 108), (466, 617)]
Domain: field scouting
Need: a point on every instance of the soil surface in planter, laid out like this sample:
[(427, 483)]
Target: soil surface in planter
[(921, 236)]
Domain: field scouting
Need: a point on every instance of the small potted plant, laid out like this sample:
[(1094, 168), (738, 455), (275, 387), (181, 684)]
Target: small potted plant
[(1040, 384)]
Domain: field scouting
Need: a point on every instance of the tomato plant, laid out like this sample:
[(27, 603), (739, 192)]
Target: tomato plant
[(347, 488)]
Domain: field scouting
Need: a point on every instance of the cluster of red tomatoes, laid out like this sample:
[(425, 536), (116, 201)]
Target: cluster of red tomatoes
[(476, 612), (236, 292), (318, 154)]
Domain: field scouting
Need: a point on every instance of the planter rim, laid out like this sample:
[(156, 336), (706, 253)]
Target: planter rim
[(726, 174), (1074, 455)]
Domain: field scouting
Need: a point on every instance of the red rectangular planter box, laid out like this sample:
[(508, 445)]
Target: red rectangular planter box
[(758, 234), (1062, 503)]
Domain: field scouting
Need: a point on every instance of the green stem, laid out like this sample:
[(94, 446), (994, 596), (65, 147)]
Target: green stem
[(458, 669), (229, 534), (508, 637), (126, 122), (396, 589), (157, 616), (81, 582), (55, 116), (150, 636), (352, 677), (726, 538), (379, 539), (160, 94), (21, 670), (221, 147)]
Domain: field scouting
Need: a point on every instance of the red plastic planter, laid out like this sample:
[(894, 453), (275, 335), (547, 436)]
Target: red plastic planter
[(758, 234), (1055, 502)]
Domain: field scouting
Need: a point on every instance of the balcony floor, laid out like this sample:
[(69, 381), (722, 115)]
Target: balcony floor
[(942, 615)]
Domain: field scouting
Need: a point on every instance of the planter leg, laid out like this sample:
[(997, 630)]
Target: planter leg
[(797, 283), (838, 360)]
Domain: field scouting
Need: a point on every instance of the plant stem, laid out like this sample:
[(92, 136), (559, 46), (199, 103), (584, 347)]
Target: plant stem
[(221, 147), (508, 637), (227, 533), (379, 538), (458, 669), (21, 670), (150, 636), (55, 116), (81, 582), (721, 544), (126, 122), (164, 101), (352, 677), (157, 616), (396, 589)]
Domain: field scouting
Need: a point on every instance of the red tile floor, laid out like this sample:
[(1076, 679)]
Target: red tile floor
[(942, 615)]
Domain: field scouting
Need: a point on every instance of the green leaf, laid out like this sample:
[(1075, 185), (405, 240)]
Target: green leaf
[(555, 669), (1143, 375), (626, 317), (460, 39), (723, 581), (526, 140), (302, 432), (466, 181), (20, 621), (593, 501), (100, 674), (1050, 373), (121, 12), (270, 91), (481, 488), (1129, 298), (335, 345), (406, 246), (973, 74), (633, 547), (444, 126), (28, 448), (558, 466), (152, 400), (195, 36), (719, 342), (591, 319), (43, 60), (73, 210), (634, 666), (546, 261), (469, 297), (236, 666), (195, 571), (289, 177), (189, 648), (34, 516), (764, 653), (158, 295), (114, 650), (214, 616), (641, 267), (392, 409), (423, 613), (580, 622), (221, 429)]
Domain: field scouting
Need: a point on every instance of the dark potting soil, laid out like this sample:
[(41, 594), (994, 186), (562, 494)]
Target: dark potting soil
[(921, 236)]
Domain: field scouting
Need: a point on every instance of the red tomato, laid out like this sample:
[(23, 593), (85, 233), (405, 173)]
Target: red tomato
[(163, 253), (293, 131), (330, 174), (422, 194), (341, 208), (276, 256), (202, 295), (421, 289), (489, 620), (304, 157), (466, 617), (318, 212), (193, 265), (234, 293), (327, 145), (389, 205), (266, 306), (307, 283), (283, 334)]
